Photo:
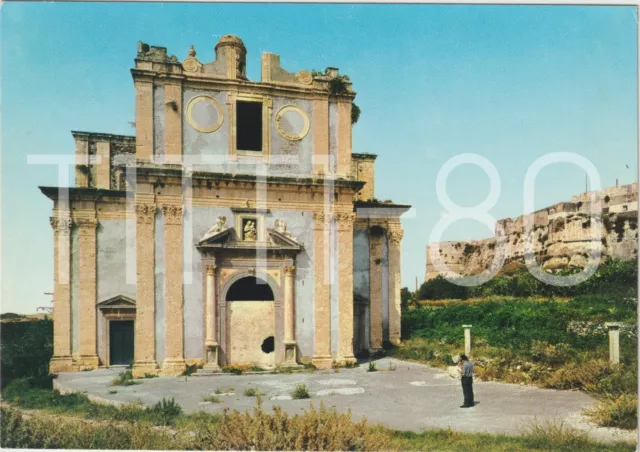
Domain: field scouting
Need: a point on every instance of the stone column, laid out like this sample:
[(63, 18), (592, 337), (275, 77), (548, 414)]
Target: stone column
[(88, 346), (375, 288), (211, 342), (322, 290), (61, 360), (289, 317), (394, 236), (345, 287), (614, 341), (174, 363), (145, 328), (467, 339)]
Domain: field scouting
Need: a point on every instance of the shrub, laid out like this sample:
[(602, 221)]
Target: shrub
[(620, 412), (165, 411), (279, 431), (27, 348), (301, 392), (232, 370)]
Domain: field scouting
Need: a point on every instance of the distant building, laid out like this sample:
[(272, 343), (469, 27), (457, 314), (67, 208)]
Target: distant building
[(233, 229)]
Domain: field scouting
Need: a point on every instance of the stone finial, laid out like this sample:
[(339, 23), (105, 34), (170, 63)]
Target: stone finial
[(192, 51)]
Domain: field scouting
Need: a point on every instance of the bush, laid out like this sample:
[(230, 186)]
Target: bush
[(313, 430), (211, 399), (166, 410), (301, 392), (124, 379), (620, 412), (251, 392), (26, 348)]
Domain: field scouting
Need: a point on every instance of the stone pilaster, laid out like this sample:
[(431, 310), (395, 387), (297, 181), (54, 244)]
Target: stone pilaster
[(103, 168), (173, 122), (289, 317), (61, 360), (145, 330), (394, 236), (144, 119), (211, 342), (88, 346), (345, 286), (375, 288), (174, 312), (344, 139), (320, 136), (322, 290), (82, 161)]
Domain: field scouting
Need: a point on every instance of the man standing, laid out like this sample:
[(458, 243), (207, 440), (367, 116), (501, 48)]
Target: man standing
[(465, 368)]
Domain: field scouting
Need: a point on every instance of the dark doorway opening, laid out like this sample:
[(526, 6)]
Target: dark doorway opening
[(268, 345), (249, 126), (120, 342), (250, 288)]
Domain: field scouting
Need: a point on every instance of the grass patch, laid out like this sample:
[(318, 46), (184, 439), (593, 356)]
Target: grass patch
[(301, 392), (211, 399), (124, 379), (224, 391), (372, 367), (257, 369), (620, 411), (232, 370), (252, 392)]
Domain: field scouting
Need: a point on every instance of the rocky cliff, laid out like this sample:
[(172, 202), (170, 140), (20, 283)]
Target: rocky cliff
[(562, 235)]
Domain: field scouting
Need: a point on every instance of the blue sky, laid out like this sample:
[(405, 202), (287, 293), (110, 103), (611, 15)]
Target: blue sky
[(510, 83)]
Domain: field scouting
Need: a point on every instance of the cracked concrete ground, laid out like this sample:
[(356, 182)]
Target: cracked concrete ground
[(411, 397)]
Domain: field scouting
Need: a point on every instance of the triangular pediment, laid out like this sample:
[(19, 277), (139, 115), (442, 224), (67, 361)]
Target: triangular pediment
[(279, 239), (214, 238), (120, 301)]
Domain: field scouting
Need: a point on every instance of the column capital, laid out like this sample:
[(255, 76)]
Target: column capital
[(395, 236), (289, 270), (345, 220), (61, 225), (172, 214), (146, 212), (323, 219), (211, 268), (86, 225)]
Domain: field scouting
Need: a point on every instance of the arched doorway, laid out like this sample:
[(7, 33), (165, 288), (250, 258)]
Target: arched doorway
[(250, 322)]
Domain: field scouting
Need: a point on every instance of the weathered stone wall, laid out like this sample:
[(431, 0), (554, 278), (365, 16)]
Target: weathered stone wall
[(560, 235)]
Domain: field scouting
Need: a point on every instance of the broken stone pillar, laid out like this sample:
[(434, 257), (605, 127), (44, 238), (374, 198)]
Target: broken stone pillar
[(467, 339), (210, 341), (614, 341)]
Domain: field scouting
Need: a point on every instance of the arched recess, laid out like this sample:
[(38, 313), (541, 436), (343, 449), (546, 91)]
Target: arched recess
[(250, 320), (249, 288)]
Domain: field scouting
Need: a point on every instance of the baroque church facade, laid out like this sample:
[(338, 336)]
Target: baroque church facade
[(236, 227)]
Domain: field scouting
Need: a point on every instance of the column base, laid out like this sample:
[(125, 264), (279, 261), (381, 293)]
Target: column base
[(350, 359), (140, 368), (88, 362), (322, 361), (290, 355), (61, 364), (212, 358), (173, 366)]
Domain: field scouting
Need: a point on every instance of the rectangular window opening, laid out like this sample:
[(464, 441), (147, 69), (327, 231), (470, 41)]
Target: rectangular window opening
[(249, 126)]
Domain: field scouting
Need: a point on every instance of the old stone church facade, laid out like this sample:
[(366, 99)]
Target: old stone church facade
[(235, 228)]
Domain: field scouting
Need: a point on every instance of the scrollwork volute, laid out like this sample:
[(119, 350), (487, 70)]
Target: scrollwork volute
[(289, 270), (146, 213), (172, 214), (395, 237), (345, 220), (61, 225)]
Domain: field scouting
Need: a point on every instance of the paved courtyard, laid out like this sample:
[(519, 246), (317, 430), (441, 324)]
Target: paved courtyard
[(411, 397)]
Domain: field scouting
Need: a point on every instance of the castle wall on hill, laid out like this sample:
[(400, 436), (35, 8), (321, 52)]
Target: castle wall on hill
[(561, 235)]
